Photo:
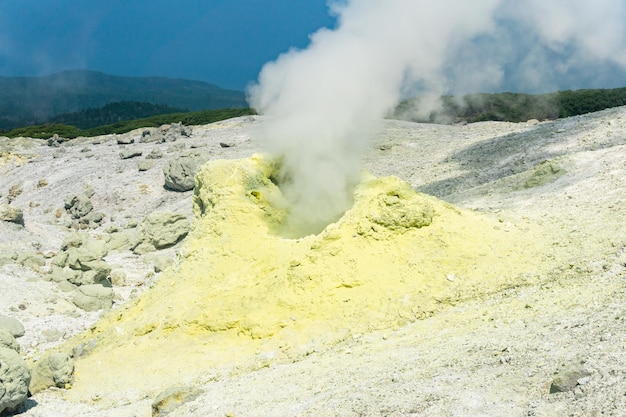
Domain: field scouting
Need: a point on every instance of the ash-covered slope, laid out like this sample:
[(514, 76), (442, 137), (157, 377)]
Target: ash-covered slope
[(542, 197)]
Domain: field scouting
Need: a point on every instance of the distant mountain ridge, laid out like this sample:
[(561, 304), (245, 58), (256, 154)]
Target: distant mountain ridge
[(113, 113), (35, 100)]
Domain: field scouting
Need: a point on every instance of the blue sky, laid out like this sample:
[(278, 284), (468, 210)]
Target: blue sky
[(224, 42)]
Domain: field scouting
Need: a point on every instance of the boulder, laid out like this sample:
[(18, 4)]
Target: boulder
[(11, 214), (155, 154), (169, 133), (568, 378), (94, 218), (130, 153), (14, 192), (8, 341), (74, 240), (84, 267), (12, 325), (180, 172), (31, 259), (93, 297), (118, 241), (125, 140), (78, 205), (57, 370), (118, 278), (145, 165), (8, 257), (172, 398), (160, 230), (93, 272), (160, 262), (92, 250), (60, 274), (545, 173), (177, 147), (14, 379)]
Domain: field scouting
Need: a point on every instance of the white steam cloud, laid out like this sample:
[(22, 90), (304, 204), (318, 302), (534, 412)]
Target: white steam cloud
[(323, 103)]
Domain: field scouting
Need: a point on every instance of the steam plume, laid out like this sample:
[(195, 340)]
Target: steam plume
[(323, 103)]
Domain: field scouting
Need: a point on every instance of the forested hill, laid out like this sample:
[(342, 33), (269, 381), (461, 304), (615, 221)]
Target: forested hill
[(513, 107), (113, 113), (35, 100)]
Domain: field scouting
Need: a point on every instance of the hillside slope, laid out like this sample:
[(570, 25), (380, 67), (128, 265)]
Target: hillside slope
[(33, 100), (556, 187)]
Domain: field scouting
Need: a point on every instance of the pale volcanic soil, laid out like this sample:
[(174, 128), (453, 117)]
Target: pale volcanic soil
[(483, 354)]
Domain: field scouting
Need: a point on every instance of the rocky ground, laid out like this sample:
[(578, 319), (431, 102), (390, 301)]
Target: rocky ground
[(80, 236)]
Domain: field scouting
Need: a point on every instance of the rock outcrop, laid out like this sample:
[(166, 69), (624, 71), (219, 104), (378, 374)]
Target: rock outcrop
[(80, 208), (160, 230), (14, 374), (180, 172), (172, 398), (13, 326), (81, 262), (93, 297), (57, 370), (11, 214), (8, 341)]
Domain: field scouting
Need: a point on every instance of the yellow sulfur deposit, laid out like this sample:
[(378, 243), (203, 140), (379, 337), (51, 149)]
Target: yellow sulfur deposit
[(243, 295)]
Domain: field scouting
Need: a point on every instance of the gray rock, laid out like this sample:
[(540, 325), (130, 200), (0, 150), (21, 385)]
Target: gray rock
[(180, 172), (78, 205), (74, 240), (11, 214), (118, 278), (12, 325), (160, 230), (568, 378), (130, 153), (169, 133), (172, 398), (125, 140), (118, 241), (79, 258), (89, 191), (57, 370), (60, 259), (54, 141), (94, 217), (146, 136), (160, 262), (59, 274), (66, 286), (8, 257), (95, 272), (177, 147), (145, 165), (155, 154), (8, 341), (93, 297), (31, 259), (14, 192), (14, 379)]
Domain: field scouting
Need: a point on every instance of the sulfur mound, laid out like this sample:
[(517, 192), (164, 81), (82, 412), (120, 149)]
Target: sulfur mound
[(243, 295)]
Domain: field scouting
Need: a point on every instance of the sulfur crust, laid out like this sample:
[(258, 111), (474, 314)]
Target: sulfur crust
[(243, 296)]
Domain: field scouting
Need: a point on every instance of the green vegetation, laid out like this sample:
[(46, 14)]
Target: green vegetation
[(513, 107), (113, 113), (510, 107), (28, 101), (46, 131)]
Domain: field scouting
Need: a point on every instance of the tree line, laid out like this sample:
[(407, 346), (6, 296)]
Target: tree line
[(513, 107)]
